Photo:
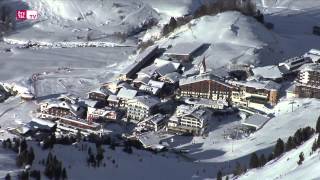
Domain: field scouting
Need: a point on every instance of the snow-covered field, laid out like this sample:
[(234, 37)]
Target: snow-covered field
[(234, 38)]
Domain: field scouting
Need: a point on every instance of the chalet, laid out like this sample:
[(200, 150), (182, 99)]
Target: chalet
[(205, 86), (101, 94), (292, 65), (189, 120), (124, 95), (171, 78), (184, 52), (55, 109), (73, 125), (141, 107), (314, 55), (154, 123), (207, 103), (113, 101), (308, 81), (255, 94), (143, 59), (105, 114), (41, 125), (141, 80), (159, 68), (112, 86)]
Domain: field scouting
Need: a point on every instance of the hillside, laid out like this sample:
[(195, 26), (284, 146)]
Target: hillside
[(286, 166)]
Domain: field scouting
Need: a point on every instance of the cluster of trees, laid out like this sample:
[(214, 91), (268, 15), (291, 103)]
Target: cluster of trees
[(300, 136), (247, 7), (54, 168), (7, 20), (95, 160)]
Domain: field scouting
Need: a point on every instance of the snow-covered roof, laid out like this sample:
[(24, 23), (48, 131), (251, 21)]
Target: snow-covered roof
[(267, 85), (268, 72), (148, 101), (148, 71), (166, 69), (41, 124), (113, 98), (202, 77), (310, 67), (160, 62), (256, 120), (313, 54), (184, 48), (90, 103), (127, 93), (156, 118), (156, 84), (142, 79), (62, 104), (207, 102), (172, 77), (295, 62), (153, 90)]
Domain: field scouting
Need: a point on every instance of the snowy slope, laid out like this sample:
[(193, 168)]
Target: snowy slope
[(81, 20), (234, 38), (286, 166)]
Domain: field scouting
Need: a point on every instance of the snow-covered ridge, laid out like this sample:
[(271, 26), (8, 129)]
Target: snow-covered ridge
[(68, 44)]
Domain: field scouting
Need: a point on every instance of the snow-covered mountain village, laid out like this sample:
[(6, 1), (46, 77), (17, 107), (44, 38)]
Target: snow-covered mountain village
[(145, 89)]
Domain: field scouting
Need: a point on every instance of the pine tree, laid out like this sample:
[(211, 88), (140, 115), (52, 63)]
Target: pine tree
[(8, 177), (219, 175), (227, 177), (263, 160), (254, 161), (318, 125), (238, 169), (301, 158), (64, 174), (290, 144), (99, 155), (270, 157), (31, 156), (314, 145), (89, 151), (279, 148)]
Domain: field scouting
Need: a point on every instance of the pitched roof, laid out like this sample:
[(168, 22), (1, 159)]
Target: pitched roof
[(172, 77), (148, 101), (184, 48), (127, 93), (202, 77), (268, 72), (156, 84), (267, 85)]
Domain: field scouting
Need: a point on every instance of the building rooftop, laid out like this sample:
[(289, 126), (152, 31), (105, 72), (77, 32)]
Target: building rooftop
[(256, 120), (157, 84), (202, 77), (267, 85), (208, 102), (146, 100), (151, 89), (156, 118), (184, 48), (313, 54), (172, 77), (310, 67), (125, 93), (268, 72)]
